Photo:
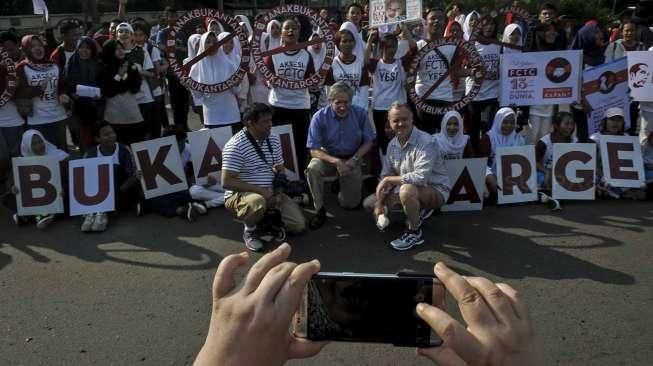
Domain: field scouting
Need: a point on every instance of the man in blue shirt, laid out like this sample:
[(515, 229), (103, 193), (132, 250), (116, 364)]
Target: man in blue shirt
[(339, 136)]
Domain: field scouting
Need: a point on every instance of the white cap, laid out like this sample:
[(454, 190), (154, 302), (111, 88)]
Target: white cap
[(614, 112)]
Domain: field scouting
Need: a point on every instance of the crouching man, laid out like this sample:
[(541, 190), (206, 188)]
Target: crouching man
[(250, 161), (414, 178)]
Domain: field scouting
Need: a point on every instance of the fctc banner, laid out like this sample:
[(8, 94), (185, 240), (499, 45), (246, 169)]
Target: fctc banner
[(540, 78), (604, 87), (386, 12)]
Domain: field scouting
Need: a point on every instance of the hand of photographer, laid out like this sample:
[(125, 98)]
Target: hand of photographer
[(258, 310), (499, 329)]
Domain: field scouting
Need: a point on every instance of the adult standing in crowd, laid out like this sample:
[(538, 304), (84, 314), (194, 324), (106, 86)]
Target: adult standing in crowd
[(70, 32), (339, 137), (292, 106), (618, 48), (179, 96)]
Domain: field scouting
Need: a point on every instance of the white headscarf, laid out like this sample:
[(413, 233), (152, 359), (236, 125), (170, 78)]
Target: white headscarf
[(318, 56), (244, 21), (216, 68), (273, 42), (50, 149), (452, 145), (498, 139), (506, 37), (359, 47), (466, 30), (193, 40), (212, 20)]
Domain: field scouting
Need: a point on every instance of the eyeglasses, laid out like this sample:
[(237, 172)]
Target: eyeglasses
[(123, 30)]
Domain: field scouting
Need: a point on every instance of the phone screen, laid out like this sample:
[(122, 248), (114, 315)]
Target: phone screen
[(369, 309)]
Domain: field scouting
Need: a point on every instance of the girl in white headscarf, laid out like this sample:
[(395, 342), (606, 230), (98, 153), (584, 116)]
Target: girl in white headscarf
[(359, 48), (318, 53), (219, 109), (454, 144), (34, 144), (471, 21), (272, 38), (512, 34), (502, 134), (193, 44)]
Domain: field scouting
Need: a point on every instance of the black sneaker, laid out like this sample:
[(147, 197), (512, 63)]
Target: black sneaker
[(252, 241), (318, 220)]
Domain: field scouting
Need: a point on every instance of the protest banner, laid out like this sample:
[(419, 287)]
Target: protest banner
[(606, 86), (160, 163), (467, 178), (8, 70), (621, 158), (91, 188), (391, 12), (574, 168), (206, 150), (288, 150), (540, 78), (640, 75), (38, 180), (516, 174)]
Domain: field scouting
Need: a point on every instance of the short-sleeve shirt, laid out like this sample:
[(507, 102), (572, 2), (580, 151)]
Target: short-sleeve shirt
[(240, 156), (339, 137), (431, 68), (295, 66)]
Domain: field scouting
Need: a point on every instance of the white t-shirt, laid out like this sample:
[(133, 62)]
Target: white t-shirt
[(389, 84), (9, 116), (155, 56), (291, 66), (430, 69), (220, 108), (68, 55), (352, 74), (490, 53), (45, 108)]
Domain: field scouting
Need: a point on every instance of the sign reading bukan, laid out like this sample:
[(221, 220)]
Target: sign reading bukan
[(541, 78)]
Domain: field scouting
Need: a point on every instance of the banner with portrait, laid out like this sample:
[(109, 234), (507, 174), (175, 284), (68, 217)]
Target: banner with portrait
[(640, 75), (391, 12), (541, 78), (606, 86)]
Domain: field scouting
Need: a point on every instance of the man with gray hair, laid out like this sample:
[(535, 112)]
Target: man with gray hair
[(414, 178), (340, 134)]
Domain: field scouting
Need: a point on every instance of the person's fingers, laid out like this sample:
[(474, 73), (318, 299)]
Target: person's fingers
[(223, 282), (273, 281), (495, 298), (303, 348), (471, 303), (452, 333), (261, 268), (442, 356), (291, 293), (516, 300)]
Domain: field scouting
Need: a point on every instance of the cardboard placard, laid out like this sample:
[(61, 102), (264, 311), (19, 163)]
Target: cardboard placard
[(621, 159), (91, 186), (288, 150), (574, 171), (160, 162), (606, 86), (516, 174), (640, 75), (391, 12), (541, 78), (206, 151), (38, 179), (467, 177)]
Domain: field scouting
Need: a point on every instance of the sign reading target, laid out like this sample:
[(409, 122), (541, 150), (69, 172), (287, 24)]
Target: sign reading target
[(182, 70), (7, 77), (473, 64), (326, 38)]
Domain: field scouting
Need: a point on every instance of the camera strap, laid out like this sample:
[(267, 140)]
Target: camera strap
[(257, 147)]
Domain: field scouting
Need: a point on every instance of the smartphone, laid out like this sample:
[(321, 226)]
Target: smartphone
[(365, 307)]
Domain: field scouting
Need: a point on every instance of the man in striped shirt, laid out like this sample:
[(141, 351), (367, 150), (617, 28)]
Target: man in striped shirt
[(250, 160)]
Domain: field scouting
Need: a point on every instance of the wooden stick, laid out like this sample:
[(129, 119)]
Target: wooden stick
[(198, 58)]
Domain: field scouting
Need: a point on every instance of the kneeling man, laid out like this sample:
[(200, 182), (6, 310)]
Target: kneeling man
[(414, 178), (339, 136)]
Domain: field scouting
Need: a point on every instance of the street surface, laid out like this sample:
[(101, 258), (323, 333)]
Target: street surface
[(140, 292)]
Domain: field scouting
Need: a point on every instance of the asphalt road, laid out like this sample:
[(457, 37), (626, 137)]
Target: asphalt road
[(140, 292)]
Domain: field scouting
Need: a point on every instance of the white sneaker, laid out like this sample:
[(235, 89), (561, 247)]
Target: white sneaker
[(43, 222), (199, 207), (101, 221), (407, 240), (87, 225)]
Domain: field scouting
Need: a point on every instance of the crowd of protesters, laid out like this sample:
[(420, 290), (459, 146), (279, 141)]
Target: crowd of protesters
[(95, 93)]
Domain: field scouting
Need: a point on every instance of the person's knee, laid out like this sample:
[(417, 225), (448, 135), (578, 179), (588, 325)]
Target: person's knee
[(256, 206), (194, 190), (314, 168), (408, 192)]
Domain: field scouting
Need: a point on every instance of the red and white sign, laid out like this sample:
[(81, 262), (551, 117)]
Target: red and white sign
[(516, 174), (467, 177), (621, 157), (288, 150), (574, 169), (38, 179), (160, 163), (206, 151), (90, 182), (640, 75)]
